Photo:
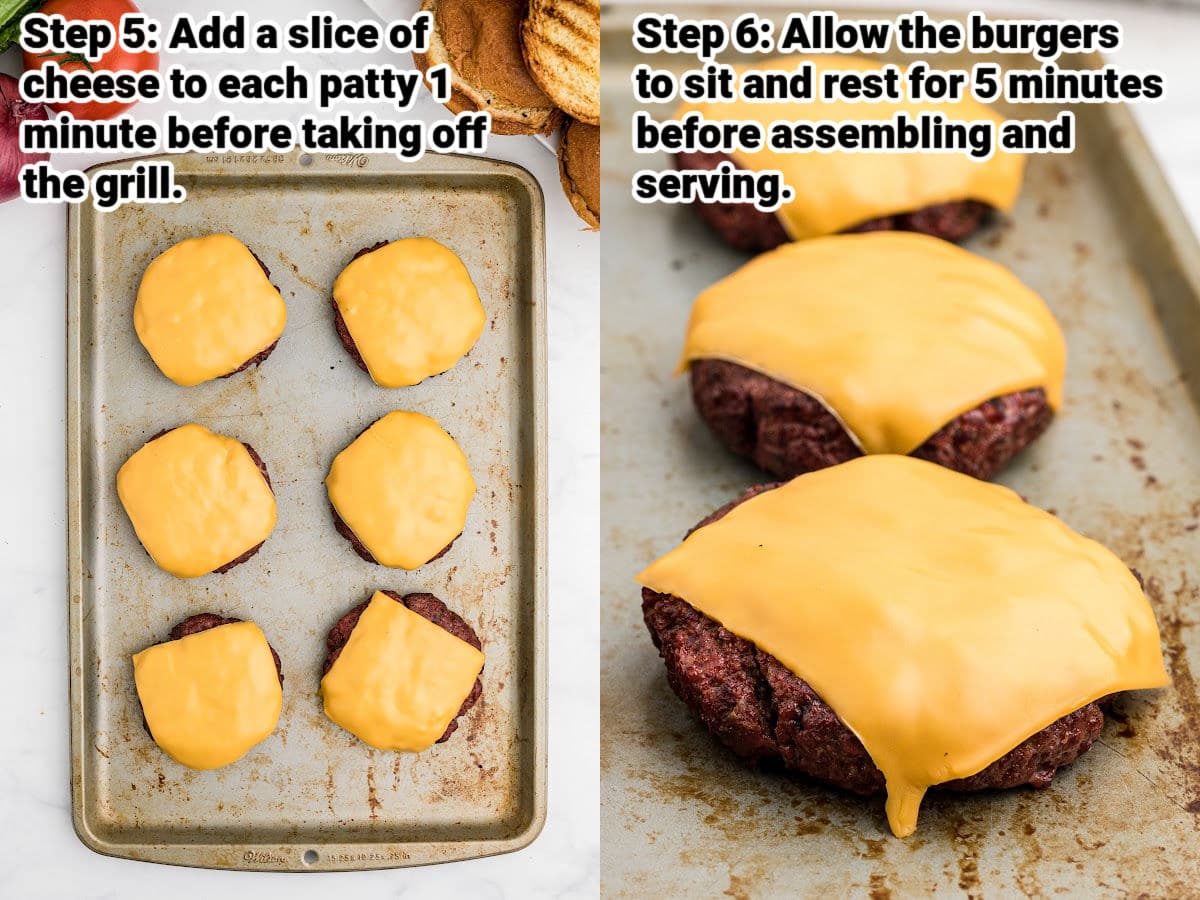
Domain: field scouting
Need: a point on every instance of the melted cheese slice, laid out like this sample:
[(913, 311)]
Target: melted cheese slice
[(942, 618), (196, 499), (411, 308), (400, 679), (839, 190), (205, 307), (209, 697), (896, 333), (403, 487)]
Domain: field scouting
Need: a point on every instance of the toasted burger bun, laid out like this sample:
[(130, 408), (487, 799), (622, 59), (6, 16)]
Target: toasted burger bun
[(579, 170), (561, 41), (480, 40)]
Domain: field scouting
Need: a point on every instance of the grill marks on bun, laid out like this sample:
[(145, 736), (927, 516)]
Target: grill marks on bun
[(561, 42)]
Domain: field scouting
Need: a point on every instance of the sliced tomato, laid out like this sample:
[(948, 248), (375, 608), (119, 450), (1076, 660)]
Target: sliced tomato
[(115, 60)]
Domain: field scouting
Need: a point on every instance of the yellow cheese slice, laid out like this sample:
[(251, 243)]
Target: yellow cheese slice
[(205, 307), (942, 618), (209, 697), (196, 499), (403, 487), (896, 333), (411, 309), (839, 190), (400, 679)]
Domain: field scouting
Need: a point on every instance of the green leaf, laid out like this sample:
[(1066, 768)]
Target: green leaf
[(11, 13)]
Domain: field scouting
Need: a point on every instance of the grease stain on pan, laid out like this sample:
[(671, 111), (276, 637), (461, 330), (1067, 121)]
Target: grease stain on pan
[(373, 802)]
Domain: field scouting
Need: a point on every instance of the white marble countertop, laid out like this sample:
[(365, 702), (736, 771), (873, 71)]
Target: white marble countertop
[(44, 858)]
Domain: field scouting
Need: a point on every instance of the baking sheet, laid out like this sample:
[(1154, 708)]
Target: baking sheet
[(311, 796), (1099, 236)]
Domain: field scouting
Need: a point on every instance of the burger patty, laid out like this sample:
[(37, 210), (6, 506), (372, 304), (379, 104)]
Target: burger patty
[(788, 432), (262, 467), (338, 522), (746, 228), (203, 622), (768, 716), (427, 606), (258, 358)]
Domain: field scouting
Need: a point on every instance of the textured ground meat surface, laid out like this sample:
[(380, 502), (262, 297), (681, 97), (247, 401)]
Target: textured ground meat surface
[(746, 228), (787, 432), (262, 467), (768, 716), (427, 606)]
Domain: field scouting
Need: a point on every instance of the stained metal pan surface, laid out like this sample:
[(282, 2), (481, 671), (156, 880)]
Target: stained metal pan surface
[(1098, 234), (311, 796)]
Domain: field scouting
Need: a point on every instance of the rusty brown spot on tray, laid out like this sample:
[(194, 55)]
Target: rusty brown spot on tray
[(299, 273), (733, 814), (806, 826), (373, 800), (966, 844), (739, 888), (877, 888)]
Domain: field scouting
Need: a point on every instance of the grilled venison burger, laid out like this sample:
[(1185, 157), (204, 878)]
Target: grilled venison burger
[(199, 502), (401, 670), (406, 310), (945, 195), (206, 309), (822, 351), (400, 491), (887, 624), (210, 692)]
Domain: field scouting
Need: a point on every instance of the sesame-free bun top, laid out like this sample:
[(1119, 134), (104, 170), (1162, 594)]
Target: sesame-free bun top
[(480, 40)]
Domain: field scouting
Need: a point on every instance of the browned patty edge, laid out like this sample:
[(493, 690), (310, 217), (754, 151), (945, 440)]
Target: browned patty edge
[(427, 606)]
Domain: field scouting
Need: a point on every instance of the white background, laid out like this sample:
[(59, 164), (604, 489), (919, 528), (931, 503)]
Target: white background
[(42, 857)]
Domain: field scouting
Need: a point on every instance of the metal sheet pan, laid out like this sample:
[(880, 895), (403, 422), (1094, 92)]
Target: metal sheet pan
[(1099, 235), (311, 797)]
